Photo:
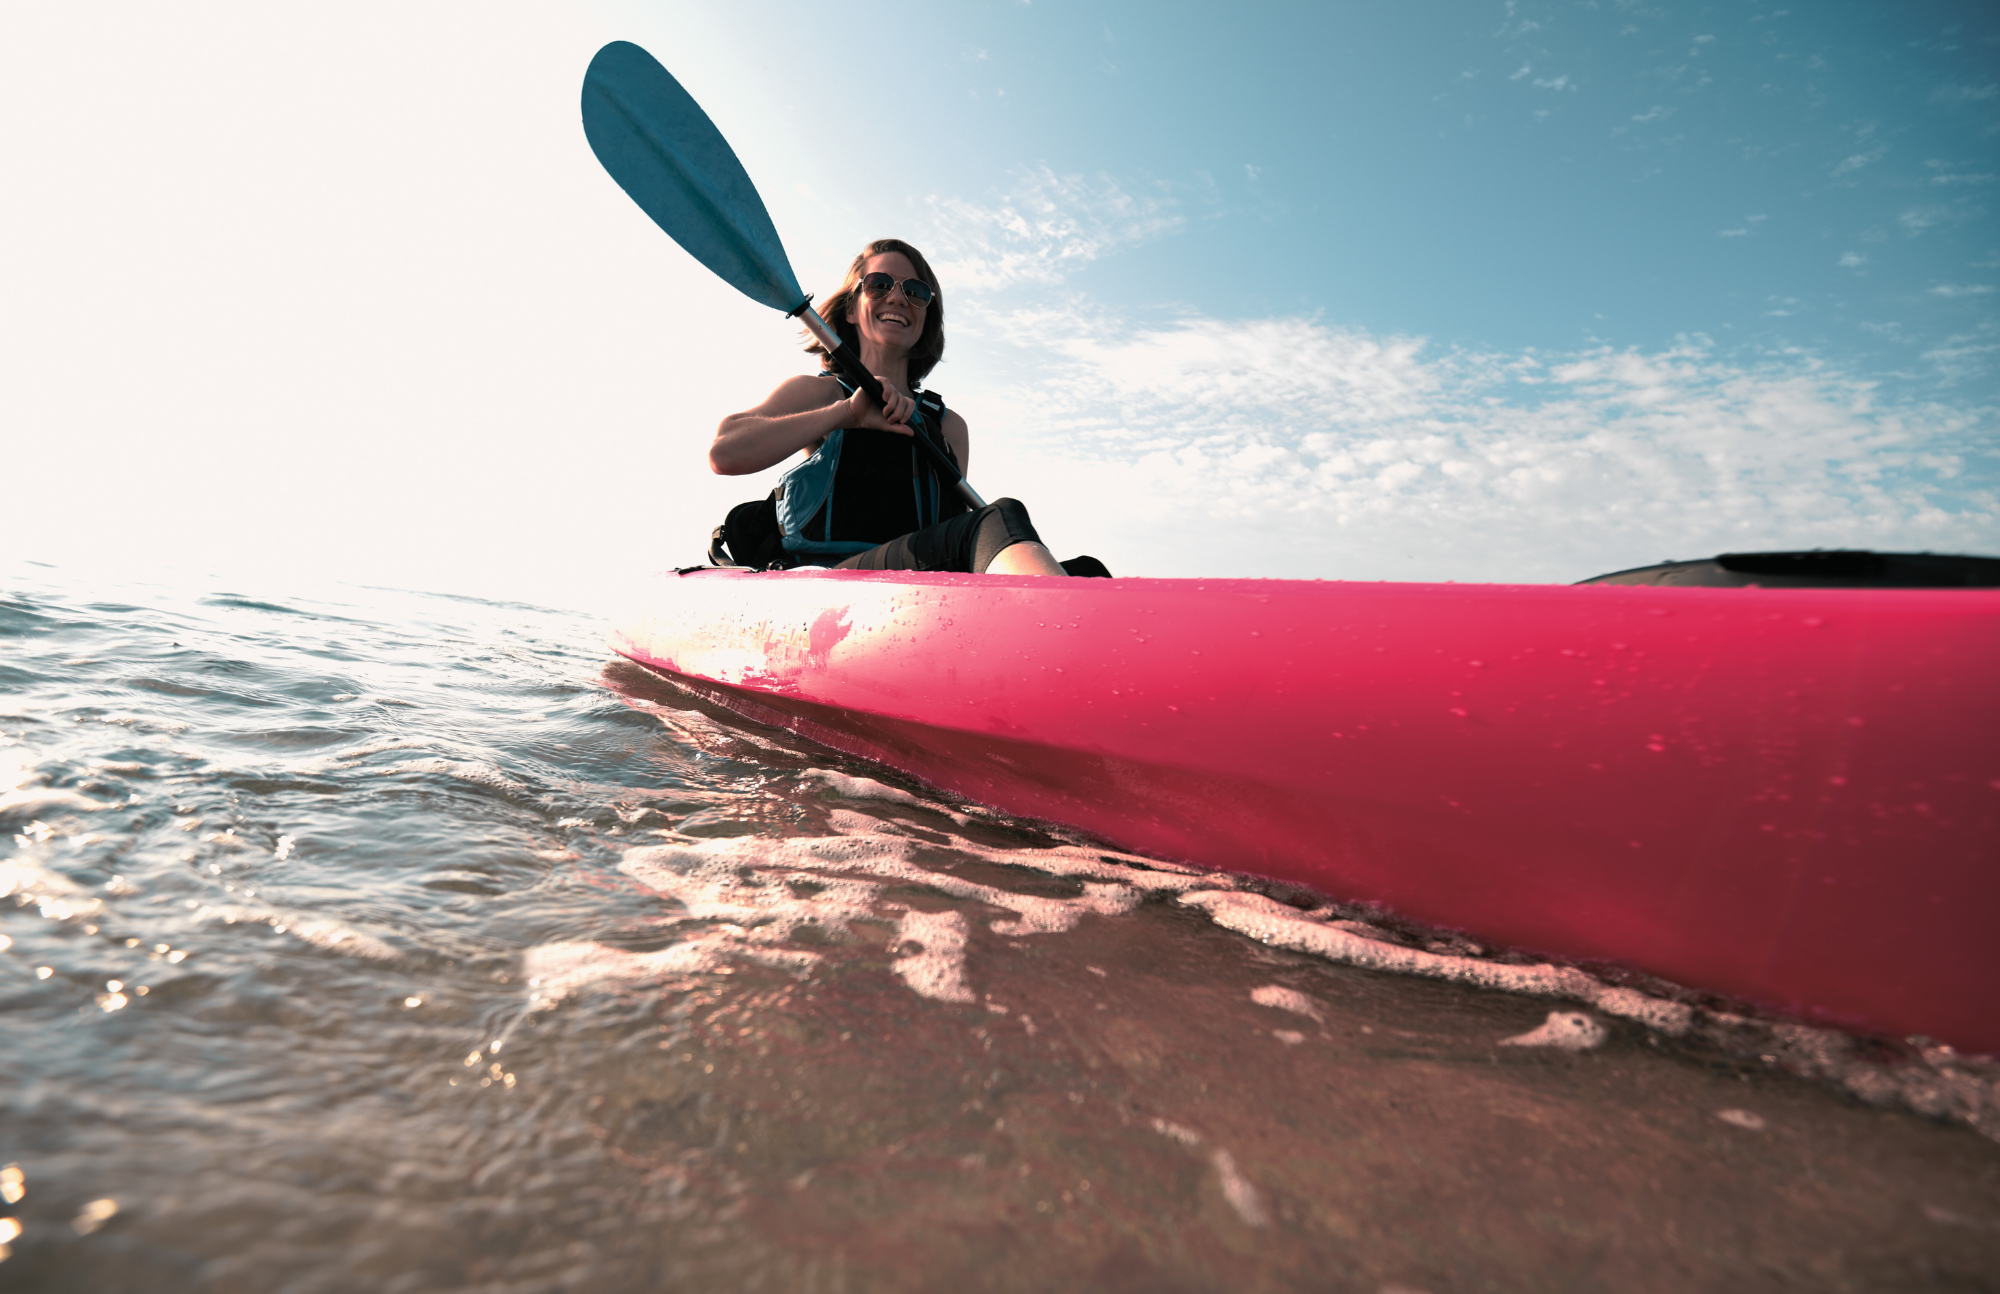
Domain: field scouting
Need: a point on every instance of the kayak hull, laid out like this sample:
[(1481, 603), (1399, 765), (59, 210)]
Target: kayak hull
[(1789, 797)]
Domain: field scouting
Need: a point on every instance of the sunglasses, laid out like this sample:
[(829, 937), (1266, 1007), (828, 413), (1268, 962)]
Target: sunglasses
[(878, 284)]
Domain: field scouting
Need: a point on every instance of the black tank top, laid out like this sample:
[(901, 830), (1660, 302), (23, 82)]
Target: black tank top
[(883, 488)]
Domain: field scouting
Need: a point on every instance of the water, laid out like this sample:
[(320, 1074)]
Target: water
[(374, 940)]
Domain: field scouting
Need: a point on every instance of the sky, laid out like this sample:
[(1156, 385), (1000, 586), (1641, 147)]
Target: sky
[(1514, 291)]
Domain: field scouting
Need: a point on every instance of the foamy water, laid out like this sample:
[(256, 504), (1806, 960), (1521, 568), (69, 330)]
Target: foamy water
[(381, 940)]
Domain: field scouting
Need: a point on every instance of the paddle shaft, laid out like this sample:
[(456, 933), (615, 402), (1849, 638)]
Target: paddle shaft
[(848, 362)]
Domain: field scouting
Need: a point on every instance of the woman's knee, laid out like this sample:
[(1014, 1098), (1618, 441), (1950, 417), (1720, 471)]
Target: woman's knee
[(1002, 524)]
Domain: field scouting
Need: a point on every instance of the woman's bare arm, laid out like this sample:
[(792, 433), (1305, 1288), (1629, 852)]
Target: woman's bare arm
[(796, 416), (959, 437)]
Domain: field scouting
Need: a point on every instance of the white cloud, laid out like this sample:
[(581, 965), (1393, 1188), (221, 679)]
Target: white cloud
[(1961, 357), (1290, 447), (1852, 260), (1555, 84), (1045, 228), (1657, 112), (1855, 162), (1952, 92), (1917, 221), (1961, 290)]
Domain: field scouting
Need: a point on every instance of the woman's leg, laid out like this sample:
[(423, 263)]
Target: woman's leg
[(989, 540), (1025, 559)]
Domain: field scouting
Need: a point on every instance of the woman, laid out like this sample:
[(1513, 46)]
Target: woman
[(865, 499)]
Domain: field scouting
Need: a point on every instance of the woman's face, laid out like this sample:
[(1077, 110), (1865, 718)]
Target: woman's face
[(891, 319)]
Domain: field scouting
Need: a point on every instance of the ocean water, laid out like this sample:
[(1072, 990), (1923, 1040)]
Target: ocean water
[(375, 940)]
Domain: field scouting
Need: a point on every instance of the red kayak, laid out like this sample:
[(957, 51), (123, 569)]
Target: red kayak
[(1786, 795)]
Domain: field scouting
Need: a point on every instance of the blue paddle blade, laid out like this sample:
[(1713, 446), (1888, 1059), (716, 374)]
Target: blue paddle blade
[(664, 151)]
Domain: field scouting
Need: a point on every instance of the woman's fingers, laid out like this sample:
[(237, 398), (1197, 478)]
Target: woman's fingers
[(896, 406), (893, 415)]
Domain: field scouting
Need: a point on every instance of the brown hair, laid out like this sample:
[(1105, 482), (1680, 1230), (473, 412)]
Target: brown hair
[(930, 343)]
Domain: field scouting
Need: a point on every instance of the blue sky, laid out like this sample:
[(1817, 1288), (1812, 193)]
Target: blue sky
[(1432, 291), (1536, 175)]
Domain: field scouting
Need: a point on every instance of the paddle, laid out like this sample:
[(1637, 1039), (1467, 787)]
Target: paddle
[(665, 152)]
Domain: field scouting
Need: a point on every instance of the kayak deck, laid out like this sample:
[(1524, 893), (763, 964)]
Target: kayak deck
[(1790, 797)]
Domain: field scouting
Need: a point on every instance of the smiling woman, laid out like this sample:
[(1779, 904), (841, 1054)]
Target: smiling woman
[(864, 498)]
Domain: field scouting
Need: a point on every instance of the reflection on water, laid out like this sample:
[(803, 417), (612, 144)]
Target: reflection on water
[(392, 942)]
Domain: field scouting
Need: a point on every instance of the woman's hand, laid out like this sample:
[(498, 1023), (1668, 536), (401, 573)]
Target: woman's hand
[(893, 415)]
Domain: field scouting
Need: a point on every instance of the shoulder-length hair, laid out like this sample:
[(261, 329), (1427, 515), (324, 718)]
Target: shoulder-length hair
[(930, 343)]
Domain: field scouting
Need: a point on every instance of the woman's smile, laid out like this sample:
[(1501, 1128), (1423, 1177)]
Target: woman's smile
[(890, 315)]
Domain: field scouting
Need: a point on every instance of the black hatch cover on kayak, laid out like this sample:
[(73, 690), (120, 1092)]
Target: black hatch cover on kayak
[(1818, 569)]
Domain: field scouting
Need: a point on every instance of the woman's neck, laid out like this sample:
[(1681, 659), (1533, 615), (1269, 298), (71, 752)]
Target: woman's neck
[(891, 364)]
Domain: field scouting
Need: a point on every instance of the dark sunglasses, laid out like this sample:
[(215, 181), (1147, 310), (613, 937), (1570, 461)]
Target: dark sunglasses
[(878, 284)]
